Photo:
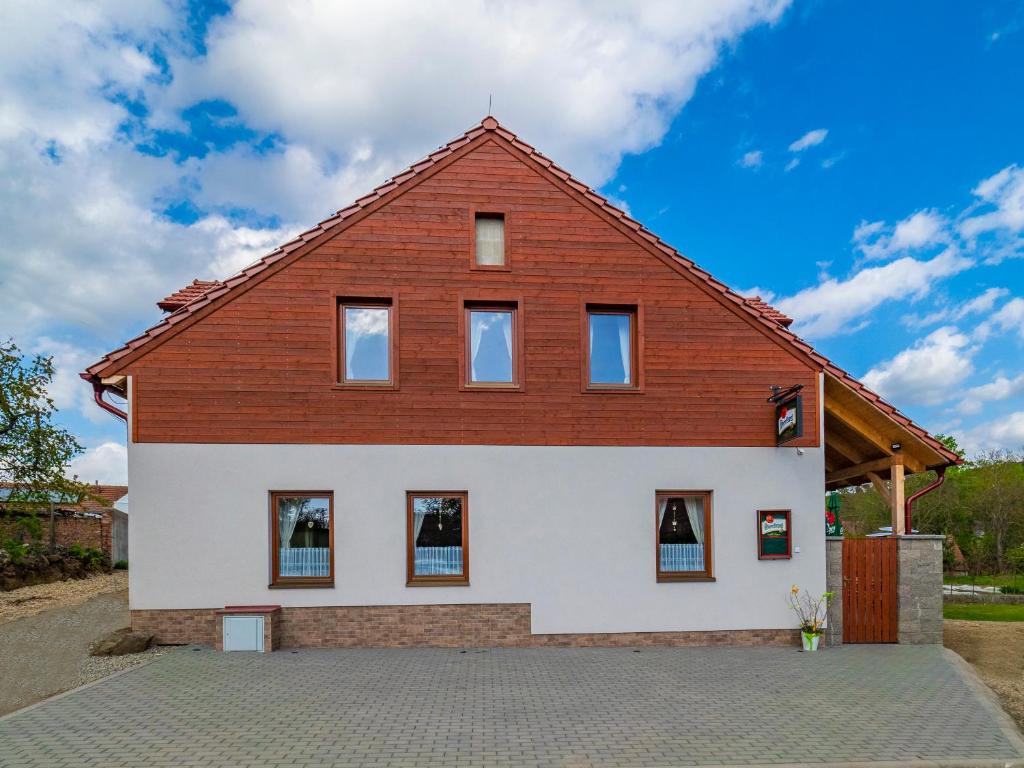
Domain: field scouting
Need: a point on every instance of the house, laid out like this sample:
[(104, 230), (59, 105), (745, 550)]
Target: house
[(483, 406), (92, 520)]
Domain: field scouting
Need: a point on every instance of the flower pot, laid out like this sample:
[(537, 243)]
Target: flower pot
[(810, 641)]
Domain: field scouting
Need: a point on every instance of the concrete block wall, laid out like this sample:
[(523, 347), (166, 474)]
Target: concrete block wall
[(920, 589), (834, 584)]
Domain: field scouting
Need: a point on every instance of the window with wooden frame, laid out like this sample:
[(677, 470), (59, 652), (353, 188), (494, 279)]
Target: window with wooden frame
[(367, 342), (683, 541), (301, 539), (492, 345), (437, 550), (611, 347), (489, 243)]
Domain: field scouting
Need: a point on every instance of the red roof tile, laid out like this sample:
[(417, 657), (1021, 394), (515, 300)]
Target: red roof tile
[(769, 317), (183, 296)]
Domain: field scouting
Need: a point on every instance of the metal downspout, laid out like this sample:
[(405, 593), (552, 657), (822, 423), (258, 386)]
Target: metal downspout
[(908, 505), (98, 388)]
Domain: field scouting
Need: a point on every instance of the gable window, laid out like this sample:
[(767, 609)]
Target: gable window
[(366, 342), (438, 538), (489, 241), (302, 538), (611, 347), (491, 345), (683, 535)]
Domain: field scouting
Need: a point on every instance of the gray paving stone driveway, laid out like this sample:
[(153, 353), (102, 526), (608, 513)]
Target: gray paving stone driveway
[(537, 707)]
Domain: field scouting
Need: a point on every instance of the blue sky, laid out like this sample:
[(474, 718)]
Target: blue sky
[(858, 164)]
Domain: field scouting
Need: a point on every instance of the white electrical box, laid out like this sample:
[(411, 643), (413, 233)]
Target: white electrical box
[(243, 633)]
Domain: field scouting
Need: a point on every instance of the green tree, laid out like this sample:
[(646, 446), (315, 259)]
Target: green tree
[(34, 452)]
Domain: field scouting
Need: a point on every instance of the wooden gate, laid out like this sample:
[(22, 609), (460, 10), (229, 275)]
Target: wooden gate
[(869, 590)]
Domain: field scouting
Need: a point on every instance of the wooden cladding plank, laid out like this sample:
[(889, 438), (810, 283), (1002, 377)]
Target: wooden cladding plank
[(260, 368)]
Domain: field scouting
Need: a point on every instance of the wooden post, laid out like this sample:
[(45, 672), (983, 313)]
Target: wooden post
[(896, 497)]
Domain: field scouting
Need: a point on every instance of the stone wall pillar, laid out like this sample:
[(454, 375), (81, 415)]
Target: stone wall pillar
[(834, 584), (920, 589)]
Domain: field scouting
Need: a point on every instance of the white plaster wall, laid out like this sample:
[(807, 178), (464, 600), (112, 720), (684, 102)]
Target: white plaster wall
[(570, 530)]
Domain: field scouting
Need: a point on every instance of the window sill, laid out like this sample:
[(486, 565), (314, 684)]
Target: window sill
[(481, 387), (313, 585), (338, 386), (490, 267), (613, 390), (666, 578), (438, 583)]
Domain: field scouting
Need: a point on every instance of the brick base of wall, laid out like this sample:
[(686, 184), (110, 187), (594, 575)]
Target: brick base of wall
[(492, 625)]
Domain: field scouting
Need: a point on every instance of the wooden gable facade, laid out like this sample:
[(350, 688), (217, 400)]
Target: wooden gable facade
[(261, 366)]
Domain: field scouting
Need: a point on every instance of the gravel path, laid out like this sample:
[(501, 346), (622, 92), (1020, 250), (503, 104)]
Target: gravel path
[(48, 653), (28, 601)]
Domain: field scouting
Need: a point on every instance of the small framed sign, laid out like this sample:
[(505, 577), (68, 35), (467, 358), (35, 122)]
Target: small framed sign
[(774, 534), (789, 420)]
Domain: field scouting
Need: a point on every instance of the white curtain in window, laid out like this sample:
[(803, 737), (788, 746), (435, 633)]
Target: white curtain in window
[(506, 327), (490, 240), (624, 339), (418, 514), (695, 514), (476, 333), (287, 516), (662, 505)]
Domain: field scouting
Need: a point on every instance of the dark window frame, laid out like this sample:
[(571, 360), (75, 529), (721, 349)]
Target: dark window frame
[(379, 301), (788, 514), (413, 580), (286, 582), (484, 211), (636, 341), (708, 573)]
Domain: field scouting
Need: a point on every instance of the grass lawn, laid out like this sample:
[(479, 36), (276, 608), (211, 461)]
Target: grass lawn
[(983, 611)]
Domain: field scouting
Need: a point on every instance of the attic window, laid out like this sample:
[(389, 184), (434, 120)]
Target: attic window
[(489, 241)]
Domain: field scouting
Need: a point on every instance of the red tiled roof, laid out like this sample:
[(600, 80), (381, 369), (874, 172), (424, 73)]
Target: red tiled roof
[(767, 310), (103, 497), (183, 296), (768, 317)]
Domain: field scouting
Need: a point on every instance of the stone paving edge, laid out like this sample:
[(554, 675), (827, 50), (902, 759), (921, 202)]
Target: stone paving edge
[(990, 700)]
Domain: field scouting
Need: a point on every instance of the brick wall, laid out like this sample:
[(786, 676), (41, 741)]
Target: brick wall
[(86, 531), (451, 626)]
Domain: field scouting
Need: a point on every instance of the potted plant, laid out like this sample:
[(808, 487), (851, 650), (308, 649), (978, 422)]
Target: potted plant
[(811, 613)]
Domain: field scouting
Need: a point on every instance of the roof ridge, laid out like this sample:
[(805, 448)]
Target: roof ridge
[(491, 125)]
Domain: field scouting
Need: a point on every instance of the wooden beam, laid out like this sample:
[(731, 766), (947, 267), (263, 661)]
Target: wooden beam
[(863, 469), (840, 445), (880, 486), (896, 500), (883, 440)]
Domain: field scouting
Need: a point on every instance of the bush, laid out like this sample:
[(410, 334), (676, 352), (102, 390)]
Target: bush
[(121, 565), (1009, 589), (91, 557)]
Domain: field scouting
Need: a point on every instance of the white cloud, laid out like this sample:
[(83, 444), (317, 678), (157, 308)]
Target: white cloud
[(836, 306), (106, 463), (67, 390), (1009, 319), (792, 164), (980, 304), (352, 93), (752, 159), (1004, 433), (392, 78), (1000, 388), (924, 229), (809, 139), (926, 372), (1005, 192)]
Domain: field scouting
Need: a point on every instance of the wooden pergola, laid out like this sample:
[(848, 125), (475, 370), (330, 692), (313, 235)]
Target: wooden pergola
[(867, 441)]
